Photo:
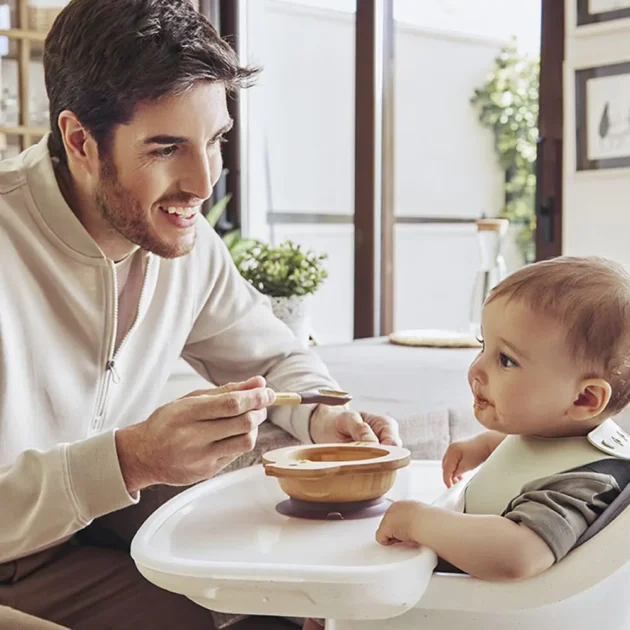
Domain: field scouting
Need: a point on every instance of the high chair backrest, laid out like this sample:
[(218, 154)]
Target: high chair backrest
[(600, 563), (619, 504)]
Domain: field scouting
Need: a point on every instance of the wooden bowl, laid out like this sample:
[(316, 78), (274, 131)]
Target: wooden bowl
[(339, 473)]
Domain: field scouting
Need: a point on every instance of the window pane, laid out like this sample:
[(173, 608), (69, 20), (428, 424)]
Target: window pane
[(10, 96), (37, 97), (9, 145), (448, 172), (8, 19), (300, 126)]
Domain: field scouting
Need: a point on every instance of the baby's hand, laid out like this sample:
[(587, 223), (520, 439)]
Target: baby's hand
[(465, 455), (399, 523)]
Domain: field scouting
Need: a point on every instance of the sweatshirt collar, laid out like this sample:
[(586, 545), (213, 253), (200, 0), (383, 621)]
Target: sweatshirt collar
[(51, 205)]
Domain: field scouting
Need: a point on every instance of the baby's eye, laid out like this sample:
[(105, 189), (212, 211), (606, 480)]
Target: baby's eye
[(480, 340), (506, 362)]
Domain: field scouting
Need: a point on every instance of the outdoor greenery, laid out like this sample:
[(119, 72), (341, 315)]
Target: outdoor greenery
[(234, 241), (507, 104), (282, 271)]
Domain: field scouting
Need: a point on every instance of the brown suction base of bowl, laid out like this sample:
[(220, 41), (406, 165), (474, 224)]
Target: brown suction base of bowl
[(333, 511)]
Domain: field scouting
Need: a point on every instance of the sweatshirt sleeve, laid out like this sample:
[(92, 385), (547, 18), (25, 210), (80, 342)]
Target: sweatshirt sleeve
[(237, 336), (48, 496)]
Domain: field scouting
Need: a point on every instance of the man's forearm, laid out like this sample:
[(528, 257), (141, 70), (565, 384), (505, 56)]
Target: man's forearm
[(47, 496), (135, 474), (488, 547)]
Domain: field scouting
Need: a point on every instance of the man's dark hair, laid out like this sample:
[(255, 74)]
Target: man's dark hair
[(104, 57)]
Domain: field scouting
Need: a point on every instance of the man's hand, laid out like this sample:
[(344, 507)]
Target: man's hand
[(339, 424), (194, 437), (465, 455)]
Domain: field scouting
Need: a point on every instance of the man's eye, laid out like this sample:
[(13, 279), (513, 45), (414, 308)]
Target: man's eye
[(165, 152), (506, 361), (217, 142)]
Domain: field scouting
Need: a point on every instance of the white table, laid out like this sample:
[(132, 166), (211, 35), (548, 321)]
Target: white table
[(400, 379)]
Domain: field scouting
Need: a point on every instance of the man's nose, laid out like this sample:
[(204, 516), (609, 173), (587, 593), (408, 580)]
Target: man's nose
[(197, 178)]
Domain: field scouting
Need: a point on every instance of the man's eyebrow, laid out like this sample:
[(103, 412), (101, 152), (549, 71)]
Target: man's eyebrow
[(228, 125), (168, 139)]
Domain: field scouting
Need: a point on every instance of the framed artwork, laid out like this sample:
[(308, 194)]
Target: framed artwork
[(602, 117), (598, 11)]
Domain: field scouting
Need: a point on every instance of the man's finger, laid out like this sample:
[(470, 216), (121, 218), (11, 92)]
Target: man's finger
[(385, 428), (218, 430), (228, 404), (252, 383), (353, 425), (234, 446)]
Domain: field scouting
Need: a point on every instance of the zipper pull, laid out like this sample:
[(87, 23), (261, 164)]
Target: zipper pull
[(112, 368)]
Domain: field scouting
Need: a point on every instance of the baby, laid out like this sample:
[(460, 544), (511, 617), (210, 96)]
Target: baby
[(553, 369)]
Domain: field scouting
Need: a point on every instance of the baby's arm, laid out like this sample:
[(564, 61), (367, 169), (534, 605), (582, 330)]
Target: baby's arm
[(538, 528), (487, 547), (465, 455)]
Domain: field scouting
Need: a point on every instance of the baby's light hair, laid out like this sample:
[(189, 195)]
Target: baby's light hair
[(590, 297)]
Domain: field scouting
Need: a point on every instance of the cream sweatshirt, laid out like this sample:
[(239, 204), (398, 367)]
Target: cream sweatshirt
[(65, 388)]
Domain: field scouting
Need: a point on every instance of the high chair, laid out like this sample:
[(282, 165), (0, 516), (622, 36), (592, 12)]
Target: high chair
[(587, 590), (223, 544)]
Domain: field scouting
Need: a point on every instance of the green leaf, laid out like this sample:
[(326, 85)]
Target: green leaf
[(507, 104), (281, 271), (218, 209)]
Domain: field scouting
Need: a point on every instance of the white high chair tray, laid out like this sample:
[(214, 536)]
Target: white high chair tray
[(223, 544)]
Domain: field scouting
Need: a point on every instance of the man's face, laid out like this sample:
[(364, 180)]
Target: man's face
[(161, 167)]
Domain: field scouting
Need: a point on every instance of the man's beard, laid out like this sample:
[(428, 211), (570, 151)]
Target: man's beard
[(126, 217)]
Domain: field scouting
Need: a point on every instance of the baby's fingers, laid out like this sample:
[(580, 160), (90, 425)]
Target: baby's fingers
[(383, 536), (450, 465)]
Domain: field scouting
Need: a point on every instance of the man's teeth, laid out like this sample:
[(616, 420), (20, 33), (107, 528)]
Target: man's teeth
[(182, 212)]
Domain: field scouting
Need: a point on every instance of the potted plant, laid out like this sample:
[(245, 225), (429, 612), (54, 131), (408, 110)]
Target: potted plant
[(234, 241), (287, 274)]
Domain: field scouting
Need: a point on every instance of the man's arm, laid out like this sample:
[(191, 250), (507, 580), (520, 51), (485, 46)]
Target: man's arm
[(236, 336), (48, 496)]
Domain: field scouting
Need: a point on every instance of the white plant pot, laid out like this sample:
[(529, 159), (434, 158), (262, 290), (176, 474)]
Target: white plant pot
[(295, 313)]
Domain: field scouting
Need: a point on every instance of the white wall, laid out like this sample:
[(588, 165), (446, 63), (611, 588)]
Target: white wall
[(300, 135), (596, 219)]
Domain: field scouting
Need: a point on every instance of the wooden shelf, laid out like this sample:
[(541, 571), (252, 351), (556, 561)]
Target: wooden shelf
[(18, 33), (21, 130), (26, 45)]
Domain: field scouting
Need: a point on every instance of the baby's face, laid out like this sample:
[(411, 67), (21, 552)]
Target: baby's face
[(523, 380)]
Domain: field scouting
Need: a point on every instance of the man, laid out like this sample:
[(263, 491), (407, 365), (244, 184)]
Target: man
[(108, 277)]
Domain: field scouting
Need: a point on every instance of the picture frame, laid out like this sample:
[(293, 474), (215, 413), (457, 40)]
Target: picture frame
[(602, 117), (601, 11)]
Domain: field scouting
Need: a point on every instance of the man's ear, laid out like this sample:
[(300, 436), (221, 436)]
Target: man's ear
[(593, 396), (80, 146)]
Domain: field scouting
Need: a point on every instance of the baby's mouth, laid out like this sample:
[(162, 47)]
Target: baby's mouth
[(480, 402)]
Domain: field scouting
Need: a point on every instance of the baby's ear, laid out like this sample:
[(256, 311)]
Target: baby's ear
[(591, 400)]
